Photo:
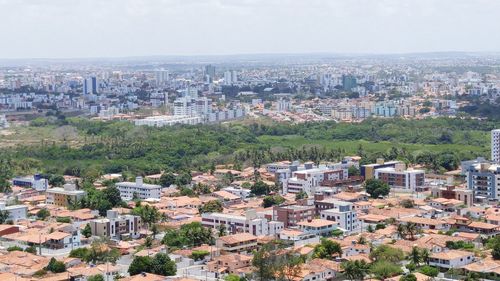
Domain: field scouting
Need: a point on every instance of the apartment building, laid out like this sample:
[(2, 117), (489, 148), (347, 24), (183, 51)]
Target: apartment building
[(495, 146), (344, 214), (309, 180), (290, 215), (484, 181), (63, 196), (116, 226), (141, 189), (249, 223), (368, 171), (401, 178), (237, 243)]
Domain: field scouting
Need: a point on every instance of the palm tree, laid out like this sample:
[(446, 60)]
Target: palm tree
[(355, 270), (424, 255), (415, 256), (411, 229), (401, 231)]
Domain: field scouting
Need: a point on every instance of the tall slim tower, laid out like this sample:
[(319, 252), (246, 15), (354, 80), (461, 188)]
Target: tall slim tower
[(495, 146)]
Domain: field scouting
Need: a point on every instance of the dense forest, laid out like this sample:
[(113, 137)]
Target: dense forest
[(119, 146)]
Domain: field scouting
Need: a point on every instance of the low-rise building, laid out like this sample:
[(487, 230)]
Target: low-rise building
[(290, 215), (16, 212), (63, 196), (36, 182), (318, 226), (249, 223), (116, 226), (451, 259), (237, 243), (139, 188)]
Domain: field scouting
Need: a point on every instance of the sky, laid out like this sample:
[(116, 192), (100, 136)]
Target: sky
[(122, 28)]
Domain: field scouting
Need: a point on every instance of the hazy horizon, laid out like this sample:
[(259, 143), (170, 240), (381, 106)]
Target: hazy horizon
[(80, 29)]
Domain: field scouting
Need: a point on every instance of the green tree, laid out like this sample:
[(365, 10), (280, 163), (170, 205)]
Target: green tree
[(192, 234), (429, 271), (222, 230), (100, 252), (80, 253), (327, 249), (198, 255), (163, 265), (355, 270), (4, 216), (376, 188), (387, 253), (55, 266), (301, 195), (97, 277), (112, 195), (149, 215), (407, 203), (353, 171), (140, 264), (167, 179), (42, 214), (87, 231), (415, 255), (337, 233), (271, 200), (260, 188), (213, 206)]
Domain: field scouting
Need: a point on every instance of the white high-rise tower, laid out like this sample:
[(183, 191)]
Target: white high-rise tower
[(495, 146)]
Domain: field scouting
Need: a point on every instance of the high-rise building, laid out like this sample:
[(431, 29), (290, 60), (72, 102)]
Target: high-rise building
[(90, 85), (230, 77), (210, 71), (162, 76), (183, 106), (495, 146), (348, 82)]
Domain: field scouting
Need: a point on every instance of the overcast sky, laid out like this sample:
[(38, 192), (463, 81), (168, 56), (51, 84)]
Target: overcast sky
[(116, 28)]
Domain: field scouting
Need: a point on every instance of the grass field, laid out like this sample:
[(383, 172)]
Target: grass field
[(352, 146), (28, 135)]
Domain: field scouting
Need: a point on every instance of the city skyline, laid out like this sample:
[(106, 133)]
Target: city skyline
[(95, 29)]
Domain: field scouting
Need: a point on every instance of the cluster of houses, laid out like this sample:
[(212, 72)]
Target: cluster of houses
[(319, 200)]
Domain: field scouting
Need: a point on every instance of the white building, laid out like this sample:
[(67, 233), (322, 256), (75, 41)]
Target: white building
[(16, 212), (308, 180), (166, 120), (143, 190), (402, 179), (344, 214), (495, 146), (451, 259), (162, 76), (249, 223)]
